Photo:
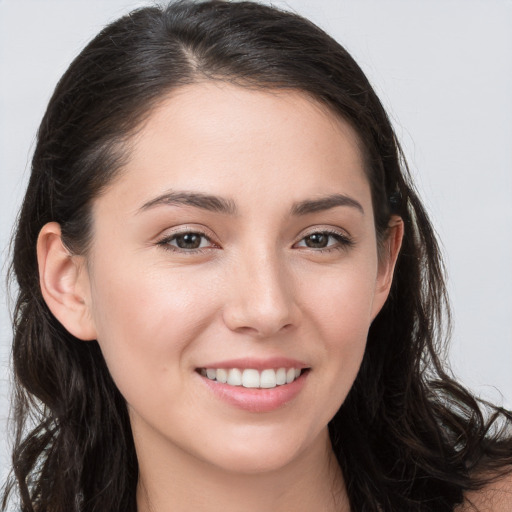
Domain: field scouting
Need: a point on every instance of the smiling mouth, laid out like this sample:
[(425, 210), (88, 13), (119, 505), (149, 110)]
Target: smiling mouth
[(252, 378)]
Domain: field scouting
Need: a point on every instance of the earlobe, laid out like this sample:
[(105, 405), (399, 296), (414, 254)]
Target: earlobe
[(387, 261), (64, 283)]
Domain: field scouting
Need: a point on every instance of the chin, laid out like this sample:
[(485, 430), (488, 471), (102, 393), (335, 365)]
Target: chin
[(255, 462), (264, 452)]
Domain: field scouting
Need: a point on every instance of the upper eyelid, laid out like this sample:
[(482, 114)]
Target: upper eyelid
[(332, 230), (170, 233), (173, 236)]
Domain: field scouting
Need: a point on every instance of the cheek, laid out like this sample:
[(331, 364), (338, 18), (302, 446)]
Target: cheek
[(146, 321), (339, 310), (341, 301)]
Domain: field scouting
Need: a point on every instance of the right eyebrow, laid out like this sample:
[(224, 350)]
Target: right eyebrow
[(196, 199)]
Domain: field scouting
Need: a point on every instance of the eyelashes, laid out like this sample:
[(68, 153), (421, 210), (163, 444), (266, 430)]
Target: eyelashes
[(188, 242), (192, 241), (325, 240)]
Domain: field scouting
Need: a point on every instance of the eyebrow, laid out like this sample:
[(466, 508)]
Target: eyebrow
[(196, 199), (325, 203), (227, 206)]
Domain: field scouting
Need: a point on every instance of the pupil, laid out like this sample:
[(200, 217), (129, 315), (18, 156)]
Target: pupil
[(189, 241), (317, 240)]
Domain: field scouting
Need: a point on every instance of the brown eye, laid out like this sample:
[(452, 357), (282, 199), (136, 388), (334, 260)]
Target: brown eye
[(188, 241), (317, 240), (325, 240)]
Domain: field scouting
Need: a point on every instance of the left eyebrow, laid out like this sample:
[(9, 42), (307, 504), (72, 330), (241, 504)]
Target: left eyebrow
[(325, 203)]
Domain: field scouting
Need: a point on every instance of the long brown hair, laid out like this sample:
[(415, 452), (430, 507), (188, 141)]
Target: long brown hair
[(408, 437)]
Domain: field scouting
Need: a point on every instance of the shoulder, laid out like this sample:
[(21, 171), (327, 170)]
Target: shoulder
[(494, 497)]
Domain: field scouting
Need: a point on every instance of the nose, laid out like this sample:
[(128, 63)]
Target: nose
[(260, 297)]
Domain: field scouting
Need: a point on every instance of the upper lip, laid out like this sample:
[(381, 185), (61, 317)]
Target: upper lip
[(257, 364)]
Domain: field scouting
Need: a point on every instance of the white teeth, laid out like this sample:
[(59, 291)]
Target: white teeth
[(234, 377), (222, 375), (281, 376), (251, 378), (268, 379)]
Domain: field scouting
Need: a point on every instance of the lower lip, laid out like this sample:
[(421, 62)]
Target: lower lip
[(255, 399)]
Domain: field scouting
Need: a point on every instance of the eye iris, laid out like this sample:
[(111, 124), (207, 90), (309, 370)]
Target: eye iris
[(317, 240), (188, 241)]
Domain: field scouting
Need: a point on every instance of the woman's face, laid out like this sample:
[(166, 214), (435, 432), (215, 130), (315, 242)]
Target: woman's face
[(238, 243)]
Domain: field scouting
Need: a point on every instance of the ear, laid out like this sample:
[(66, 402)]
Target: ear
[(64, 283), (387, 261)]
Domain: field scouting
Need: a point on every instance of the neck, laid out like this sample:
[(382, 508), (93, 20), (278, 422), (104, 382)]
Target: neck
[(171, 479)]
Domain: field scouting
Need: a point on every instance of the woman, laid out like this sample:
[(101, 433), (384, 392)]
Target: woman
[(230, 294)]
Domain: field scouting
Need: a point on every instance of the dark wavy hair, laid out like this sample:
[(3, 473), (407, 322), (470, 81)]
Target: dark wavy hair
[(407, 438)]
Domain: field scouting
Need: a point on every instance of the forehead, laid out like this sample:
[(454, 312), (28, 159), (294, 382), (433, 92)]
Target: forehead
[(219, 108), (225, 139)]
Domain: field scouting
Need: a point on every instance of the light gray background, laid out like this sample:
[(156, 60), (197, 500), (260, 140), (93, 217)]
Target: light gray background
[(443, 69)]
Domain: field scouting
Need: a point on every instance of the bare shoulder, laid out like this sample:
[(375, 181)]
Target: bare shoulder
[(495, 497)]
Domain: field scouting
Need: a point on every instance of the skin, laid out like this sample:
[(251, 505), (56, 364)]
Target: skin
[(256, 288), (495, 497)]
